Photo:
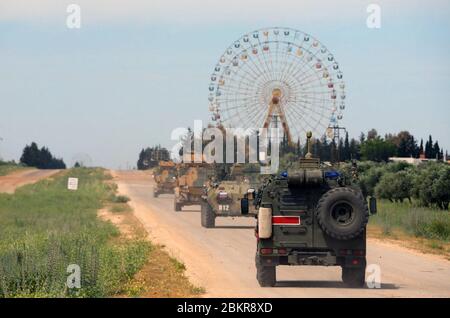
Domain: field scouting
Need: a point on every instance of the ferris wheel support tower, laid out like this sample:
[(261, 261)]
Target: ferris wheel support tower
[(276, 112)]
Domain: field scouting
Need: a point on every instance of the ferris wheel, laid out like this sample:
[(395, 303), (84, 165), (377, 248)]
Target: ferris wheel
[(278, 77)]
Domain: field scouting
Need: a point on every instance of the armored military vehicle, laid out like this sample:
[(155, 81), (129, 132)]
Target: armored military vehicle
[(165, 178), (191, 180), (232, 196), (313, 216)]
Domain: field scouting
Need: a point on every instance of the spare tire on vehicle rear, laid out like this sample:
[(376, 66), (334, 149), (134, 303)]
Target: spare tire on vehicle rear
[(342, 213)]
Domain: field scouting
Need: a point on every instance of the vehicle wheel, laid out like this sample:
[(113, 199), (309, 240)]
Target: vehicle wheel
[(208, 219), (177, 206), (266, 275), (342, 213), (354, 277)]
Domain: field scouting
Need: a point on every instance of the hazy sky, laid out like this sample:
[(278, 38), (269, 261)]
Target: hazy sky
[(138, 69)]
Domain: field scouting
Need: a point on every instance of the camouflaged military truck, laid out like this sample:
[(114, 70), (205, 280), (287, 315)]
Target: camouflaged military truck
[(232, 196), (312, 217), (191, 180), (165, 178)]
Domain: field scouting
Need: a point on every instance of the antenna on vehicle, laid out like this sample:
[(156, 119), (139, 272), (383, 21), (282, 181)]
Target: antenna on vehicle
[(308, 143)]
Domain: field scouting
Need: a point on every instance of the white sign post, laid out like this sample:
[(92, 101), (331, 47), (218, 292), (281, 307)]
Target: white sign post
[(72, 184)]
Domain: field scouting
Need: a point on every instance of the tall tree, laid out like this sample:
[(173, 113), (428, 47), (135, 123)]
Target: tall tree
[(429, 148), (372, 134), (354, 149), (42, 158), (436, 151), (333, 151), (346, 148), (377, 149), (341, 150), (421, 150), (362, 138)]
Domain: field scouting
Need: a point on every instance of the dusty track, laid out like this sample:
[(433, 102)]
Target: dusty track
[(222, 259), (12, 181)]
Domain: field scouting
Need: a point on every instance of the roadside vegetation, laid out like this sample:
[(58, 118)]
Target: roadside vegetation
[(162, 276), (45, 228), (413, 220), (6, 167), (425, 185), (413, 202)]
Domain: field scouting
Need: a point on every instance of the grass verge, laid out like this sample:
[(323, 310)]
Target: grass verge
[(7, 168), (162, 277), (45, 228), (425, 229)]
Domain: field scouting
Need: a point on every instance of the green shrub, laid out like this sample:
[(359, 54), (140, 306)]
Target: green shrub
[(439, 229), (120, 199), (370, 179), (395, 186), (431, 185)]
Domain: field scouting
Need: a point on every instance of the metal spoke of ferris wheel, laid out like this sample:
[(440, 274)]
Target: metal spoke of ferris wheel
[(277, 75)]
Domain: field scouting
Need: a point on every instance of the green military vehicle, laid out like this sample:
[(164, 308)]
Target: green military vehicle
[(314, 216), (191, 180), (165, 178), (232, 196)]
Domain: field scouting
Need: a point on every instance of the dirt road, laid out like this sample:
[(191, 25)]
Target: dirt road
[(222, 259), (12, 181)]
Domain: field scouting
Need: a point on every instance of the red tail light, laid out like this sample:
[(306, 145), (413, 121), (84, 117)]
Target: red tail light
[(285, 220), (266, 251)]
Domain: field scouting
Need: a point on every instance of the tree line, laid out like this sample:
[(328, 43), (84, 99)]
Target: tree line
[(151, 156), (370, 146), (41, 158), (428, 184)]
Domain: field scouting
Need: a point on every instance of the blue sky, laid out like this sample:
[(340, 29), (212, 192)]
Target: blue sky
[(138, 69)]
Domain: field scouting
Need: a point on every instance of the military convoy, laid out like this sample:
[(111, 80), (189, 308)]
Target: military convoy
[(311, 216)]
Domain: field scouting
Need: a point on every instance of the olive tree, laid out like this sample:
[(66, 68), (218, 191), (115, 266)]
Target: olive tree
[(395, 186)]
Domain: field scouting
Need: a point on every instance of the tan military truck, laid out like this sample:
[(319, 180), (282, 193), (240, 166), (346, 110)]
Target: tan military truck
[(165, 176), (192, 178), (231, 197)]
